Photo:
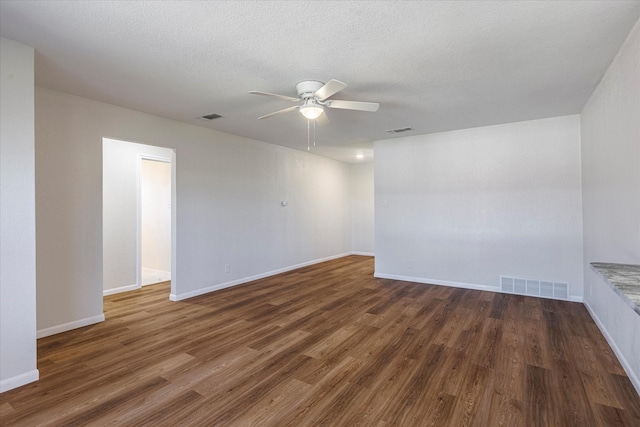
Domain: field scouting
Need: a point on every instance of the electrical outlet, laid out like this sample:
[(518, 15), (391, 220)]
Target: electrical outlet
[(227, 268)]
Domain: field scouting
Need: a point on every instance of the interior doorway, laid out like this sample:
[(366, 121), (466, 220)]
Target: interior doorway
[(138, 215), (155, 221)]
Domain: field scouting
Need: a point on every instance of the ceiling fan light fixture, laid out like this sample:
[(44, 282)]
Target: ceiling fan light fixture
[(311, 110)]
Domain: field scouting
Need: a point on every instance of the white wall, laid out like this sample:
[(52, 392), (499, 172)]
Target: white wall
[(468, 206), (228, 208), (155, 188), (17, 217), (362, 208), (121, 167), (610, 125)]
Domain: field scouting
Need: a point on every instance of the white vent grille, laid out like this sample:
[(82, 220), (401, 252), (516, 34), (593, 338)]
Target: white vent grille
[(537, 288)]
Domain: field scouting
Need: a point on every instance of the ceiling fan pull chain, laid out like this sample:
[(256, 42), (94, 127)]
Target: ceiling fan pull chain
[(308, 136), (314, 133)]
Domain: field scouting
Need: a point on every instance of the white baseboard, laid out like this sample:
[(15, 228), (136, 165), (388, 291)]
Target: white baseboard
[(363, 253), (70, 325), (474, 286), (202, 291), (19, 380), (625, 365), (120, 289)]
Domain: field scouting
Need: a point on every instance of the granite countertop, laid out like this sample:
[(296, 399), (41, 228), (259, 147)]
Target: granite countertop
[(624, 279)]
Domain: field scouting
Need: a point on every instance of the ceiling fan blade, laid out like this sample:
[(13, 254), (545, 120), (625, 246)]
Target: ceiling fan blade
[(275, 95), (331, 88), (286, 110), (354, 105)]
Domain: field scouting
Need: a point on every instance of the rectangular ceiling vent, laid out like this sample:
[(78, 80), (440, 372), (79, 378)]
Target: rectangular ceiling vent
[(210, 117), (399, 130), (536, 288)]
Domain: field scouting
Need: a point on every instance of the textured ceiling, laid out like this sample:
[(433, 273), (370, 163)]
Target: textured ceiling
[(434, 66)]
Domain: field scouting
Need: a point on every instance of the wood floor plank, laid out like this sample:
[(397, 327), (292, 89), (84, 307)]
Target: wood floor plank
[(406, 404), (510, 377), (375, 404), (280, 400), (505, 411), (5, 410), (575, 409), (472, 403), (328, 344), (320, 395), (540, 404)]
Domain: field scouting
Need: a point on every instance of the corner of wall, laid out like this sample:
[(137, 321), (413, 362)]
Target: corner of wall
[(17, 216)]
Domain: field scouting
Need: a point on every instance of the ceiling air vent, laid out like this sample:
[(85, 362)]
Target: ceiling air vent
[(399, 130), (210, 117)]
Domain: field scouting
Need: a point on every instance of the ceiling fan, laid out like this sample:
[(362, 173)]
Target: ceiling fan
[(314, 97)]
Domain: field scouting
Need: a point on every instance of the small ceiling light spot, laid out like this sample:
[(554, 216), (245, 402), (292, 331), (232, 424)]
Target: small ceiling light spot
[(399, 130), (210, 117), (359, 156)]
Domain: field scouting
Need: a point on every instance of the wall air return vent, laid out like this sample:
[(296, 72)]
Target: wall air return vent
[(536, 288), (210, 117), (399, 130)]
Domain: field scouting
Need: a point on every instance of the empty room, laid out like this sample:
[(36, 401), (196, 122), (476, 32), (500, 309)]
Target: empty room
[(341, 213)]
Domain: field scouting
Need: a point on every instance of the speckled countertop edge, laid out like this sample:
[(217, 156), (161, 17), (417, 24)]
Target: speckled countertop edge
[(624, 279)]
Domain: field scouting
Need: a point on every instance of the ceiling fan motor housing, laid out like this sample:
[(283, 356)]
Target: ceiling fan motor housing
[(307, 88)]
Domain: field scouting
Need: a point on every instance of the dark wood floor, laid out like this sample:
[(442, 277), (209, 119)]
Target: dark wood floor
[(329, 345)]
